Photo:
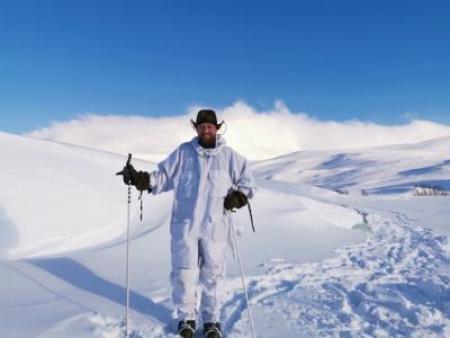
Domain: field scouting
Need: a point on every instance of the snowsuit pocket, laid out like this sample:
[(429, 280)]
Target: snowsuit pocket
[(181, 220), (217, 219), (220, 183), (187, 185)]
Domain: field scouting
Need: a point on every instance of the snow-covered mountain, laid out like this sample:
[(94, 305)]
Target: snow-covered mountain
[(343, 247), (382, 170)]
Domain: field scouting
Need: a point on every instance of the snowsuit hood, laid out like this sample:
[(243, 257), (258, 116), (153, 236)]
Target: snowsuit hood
[(205, 152)]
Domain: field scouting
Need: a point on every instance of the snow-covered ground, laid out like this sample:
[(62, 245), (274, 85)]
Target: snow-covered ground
[(342, 246)]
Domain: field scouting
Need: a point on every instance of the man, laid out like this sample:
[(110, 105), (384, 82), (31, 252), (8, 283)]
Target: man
[(209, 179)]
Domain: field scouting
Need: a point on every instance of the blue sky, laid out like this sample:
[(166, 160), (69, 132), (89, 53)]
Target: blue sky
[(380, 61)]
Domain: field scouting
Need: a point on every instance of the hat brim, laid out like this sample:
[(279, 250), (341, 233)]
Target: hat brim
[(195, 125)]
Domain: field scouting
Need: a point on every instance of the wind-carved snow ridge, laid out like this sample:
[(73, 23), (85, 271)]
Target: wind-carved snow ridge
[(395, 284)]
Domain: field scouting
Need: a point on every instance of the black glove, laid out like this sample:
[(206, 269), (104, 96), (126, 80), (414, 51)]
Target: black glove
[(140, 179), (235, 199)]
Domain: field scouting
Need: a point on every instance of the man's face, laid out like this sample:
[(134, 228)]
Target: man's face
[(206, 132)]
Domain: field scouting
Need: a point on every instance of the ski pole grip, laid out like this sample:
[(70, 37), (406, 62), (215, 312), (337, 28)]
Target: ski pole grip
[(126, 165), (129, 159)]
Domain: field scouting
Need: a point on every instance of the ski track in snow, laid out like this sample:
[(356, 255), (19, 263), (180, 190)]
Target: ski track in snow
[(395, 284)]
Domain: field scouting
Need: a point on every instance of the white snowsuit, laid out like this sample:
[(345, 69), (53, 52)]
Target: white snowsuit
[(200, 229)]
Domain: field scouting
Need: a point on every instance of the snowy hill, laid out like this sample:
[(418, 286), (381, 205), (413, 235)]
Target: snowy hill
[(326, 260), (380, 170), (58, 197)]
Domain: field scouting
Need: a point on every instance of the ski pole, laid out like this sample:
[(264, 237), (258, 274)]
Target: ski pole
[(127, 305), (127, 263), (243, 280)]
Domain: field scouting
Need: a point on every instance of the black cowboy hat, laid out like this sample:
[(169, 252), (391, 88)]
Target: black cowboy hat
[(206, 116)]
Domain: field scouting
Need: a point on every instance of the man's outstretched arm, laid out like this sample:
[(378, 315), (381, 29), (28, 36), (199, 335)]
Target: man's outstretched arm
[(162, 179)]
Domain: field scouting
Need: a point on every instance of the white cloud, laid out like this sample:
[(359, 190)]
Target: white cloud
[(255, 134)]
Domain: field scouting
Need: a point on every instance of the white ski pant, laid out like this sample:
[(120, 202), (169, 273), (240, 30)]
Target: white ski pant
[(197, 262)]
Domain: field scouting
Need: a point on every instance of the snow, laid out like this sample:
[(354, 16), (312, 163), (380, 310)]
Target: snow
[(343, 247)]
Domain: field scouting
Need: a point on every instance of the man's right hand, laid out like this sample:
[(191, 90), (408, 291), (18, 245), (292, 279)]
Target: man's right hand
[(140, 179)]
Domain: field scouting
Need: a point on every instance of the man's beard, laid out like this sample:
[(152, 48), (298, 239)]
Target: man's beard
[(207, 142)]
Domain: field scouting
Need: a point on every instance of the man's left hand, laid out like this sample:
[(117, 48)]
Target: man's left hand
[(235, 199)]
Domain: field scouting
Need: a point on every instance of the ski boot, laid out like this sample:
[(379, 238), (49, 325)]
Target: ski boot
[(212, 330), (186, 328)]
